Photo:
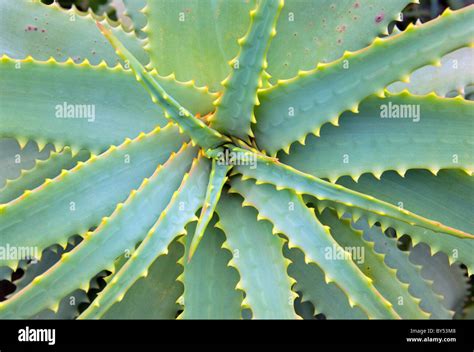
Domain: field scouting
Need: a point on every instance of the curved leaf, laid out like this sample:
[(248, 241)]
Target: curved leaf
[(327, 298), (430, 133), (30, 28), (285, 177), (309, 32), (257, 255), (217, 179), (171, 223), (41, 101), (449, 196), (15, 157), (209, 283), (153, 297), (235, 106), (98, 185), (127, 225), (197, 130), (207, 31), (292, 109), (455, 74), (406, 272), (43, 169), (449, 281), (134, 10), (291, 217), (69, 305), (372, 264)]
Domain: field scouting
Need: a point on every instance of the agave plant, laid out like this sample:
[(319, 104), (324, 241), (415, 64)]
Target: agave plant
[(222, 158)]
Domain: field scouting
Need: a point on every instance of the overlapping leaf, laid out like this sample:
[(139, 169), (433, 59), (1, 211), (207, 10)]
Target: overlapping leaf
[(98, 185), (399, 132), (42, 101), (30, 28), (290, 110), (209, 283), (100, 248)]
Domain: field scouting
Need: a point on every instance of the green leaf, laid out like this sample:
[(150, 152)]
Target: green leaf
[(127, 225), (406, 272), (98, 185), (290, 216), (235, 106), (373, 142), (15, 157), (257, 255), (217, 179), (29, 27), (5, 273), (371, 262), (449, 281), (455, 74), (207, 32), (43, 169), (285, 177), (69, 305), (134, 10), (449, 196), (209, 283), (304, 39), (327, 298), (42, 101), (292, 109), (153, 297), (171, 223), (196, 129)]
